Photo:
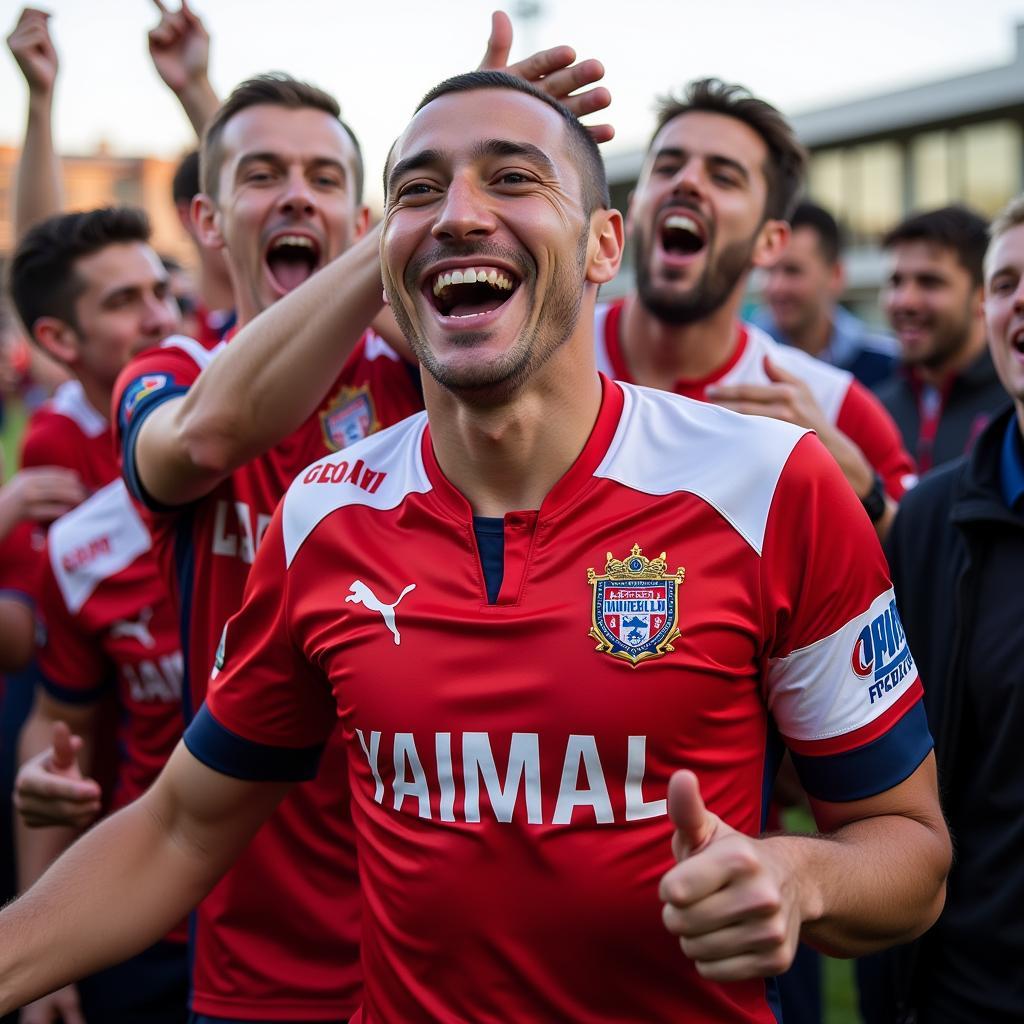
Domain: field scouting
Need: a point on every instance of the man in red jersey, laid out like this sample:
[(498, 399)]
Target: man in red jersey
[(90, 291), (109, 624), (282, 179), (500, 759), (722, 173)]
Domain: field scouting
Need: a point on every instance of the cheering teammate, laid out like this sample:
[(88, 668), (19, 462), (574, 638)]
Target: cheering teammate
[(500, 757), (721, 175)]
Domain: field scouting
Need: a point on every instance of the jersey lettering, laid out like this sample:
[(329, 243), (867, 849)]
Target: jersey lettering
[(230, 517), (155, 681), (583, 790), (341, 473)]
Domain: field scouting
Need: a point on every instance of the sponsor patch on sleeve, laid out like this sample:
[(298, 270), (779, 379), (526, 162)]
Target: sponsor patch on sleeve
[(139, 391)]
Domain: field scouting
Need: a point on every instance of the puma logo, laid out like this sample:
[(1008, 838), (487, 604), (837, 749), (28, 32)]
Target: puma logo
[(139, 629), (360, 593)]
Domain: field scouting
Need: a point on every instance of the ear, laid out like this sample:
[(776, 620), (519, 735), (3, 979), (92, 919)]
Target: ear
[(206, 221), (57, 339), (771, 242), (184, 212), (362, 222), (604, 250), (837, 281), (978, 301)]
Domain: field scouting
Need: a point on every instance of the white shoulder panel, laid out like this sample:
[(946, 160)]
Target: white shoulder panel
[(828, 384), (199, 354), (377, 472), (604, 363), (378, 348), (665, 443), (69, 400), (95, 541)]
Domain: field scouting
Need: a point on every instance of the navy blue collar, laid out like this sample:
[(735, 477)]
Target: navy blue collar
[(1011, 465)]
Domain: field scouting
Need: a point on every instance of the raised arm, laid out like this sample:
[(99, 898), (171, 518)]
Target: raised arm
[(38, 191), (130, 879), (180, 49)]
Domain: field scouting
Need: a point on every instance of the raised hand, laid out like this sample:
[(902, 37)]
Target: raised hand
[(33, 49), (733, 901), (554, 71), (180, 47), (50, 788)]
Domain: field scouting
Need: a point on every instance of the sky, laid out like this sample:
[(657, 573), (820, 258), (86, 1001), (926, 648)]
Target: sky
[(379, 58)]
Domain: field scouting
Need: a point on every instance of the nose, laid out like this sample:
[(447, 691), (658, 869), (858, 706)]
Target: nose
[(298, 198), (690, 179), (160, 316), (464, 213)]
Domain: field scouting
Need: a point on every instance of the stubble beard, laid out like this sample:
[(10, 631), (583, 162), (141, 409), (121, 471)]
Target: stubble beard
[(716, 284)]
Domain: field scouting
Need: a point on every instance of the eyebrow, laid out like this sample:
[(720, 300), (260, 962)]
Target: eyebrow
[(269, 157), (673, 152), (484, 148)]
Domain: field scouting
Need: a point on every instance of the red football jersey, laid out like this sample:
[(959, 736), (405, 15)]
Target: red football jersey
[(109, 620), (671, 604), (68, 431), (845, 402), (278, 937)]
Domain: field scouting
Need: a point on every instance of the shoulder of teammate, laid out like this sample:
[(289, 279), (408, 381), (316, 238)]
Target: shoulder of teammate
[(22, 554), (50, 439), (153, 377), (378, 472), (841, 683), (865, 420)]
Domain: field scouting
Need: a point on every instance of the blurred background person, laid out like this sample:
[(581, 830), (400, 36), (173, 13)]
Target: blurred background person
[(947, 389), (802, 292), (956, 552)]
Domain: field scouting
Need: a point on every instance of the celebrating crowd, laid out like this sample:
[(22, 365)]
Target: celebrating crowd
[(449, 654)]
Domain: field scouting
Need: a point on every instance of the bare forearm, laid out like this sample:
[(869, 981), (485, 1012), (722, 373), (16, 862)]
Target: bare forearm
[(870, 884), (200, 103), (266, 383), (38, 192), (115, 892)]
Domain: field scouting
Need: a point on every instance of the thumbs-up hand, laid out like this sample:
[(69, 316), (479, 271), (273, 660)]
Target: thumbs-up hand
[(50, 788), (733, 901)]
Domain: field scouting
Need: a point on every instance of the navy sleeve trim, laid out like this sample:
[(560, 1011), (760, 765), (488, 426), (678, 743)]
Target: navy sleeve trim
[(10, 594), (230, 754), (73, 695), (872, 768), (129, 434)]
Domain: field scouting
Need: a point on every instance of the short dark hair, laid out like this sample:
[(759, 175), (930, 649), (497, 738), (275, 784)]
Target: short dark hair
[(275, 89), (952, 227), (787, 159), (586, 155), (185, 184), (42, 276), (823, 224)]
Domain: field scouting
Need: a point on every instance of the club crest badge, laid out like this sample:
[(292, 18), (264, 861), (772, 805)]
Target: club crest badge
[(635, 611), (349, 417)]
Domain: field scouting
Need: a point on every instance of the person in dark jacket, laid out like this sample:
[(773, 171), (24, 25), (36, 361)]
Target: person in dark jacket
[(946, 389), (956, 551)]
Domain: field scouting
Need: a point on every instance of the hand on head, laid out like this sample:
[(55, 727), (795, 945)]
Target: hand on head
[(554, 71)]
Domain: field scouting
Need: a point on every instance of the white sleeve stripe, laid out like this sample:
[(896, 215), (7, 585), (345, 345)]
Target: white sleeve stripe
[(845, 681)]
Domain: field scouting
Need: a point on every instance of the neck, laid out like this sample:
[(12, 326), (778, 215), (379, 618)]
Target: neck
[(99, 396), (940, 376), (658, 353), (214, 283), (507, 457), (813, 337)]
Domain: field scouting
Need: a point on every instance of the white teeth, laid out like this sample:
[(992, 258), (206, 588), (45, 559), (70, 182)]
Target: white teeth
[(682, 223), (472, 275), (299, 240)]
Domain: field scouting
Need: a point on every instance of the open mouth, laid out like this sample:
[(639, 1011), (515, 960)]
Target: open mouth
[(1017, 342), (466, 292), (681, 235), (292, 260)]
